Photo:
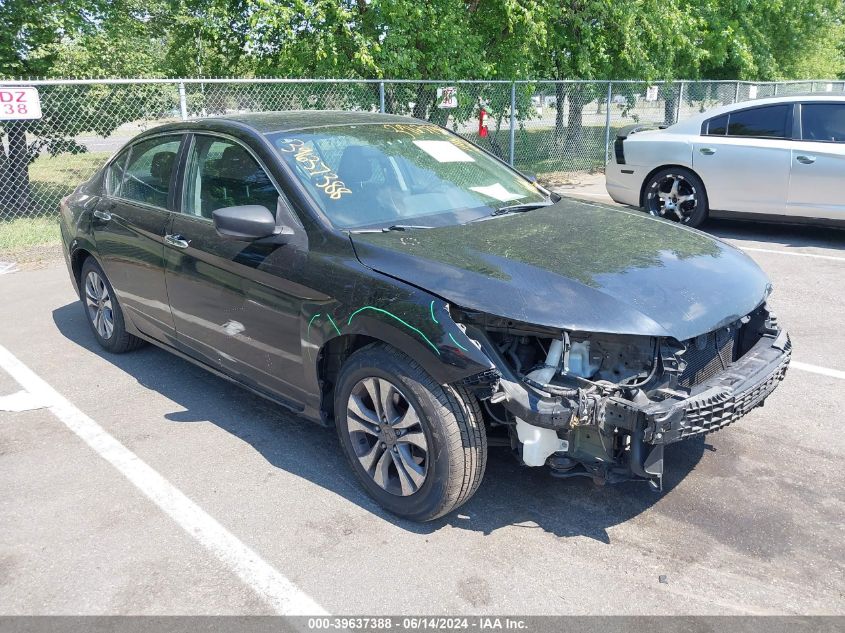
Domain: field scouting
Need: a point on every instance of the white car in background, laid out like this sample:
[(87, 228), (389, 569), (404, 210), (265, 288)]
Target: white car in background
[(770, 159)]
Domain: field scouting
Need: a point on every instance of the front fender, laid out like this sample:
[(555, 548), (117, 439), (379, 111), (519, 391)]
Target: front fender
[(408, 319)]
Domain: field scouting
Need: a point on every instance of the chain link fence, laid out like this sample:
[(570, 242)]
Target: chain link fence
[(549, 128)]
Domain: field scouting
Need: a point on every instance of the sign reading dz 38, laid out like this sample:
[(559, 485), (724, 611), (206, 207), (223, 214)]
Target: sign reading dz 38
[(19, 103)]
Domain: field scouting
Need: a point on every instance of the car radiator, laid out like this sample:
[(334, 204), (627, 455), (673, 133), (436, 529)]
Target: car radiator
[(707, 355)]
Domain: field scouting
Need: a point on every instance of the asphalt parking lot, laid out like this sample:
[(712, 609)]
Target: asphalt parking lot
[(195, 497)]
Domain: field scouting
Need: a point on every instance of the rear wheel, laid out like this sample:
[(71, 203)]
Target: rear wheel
[(419, 448), (103, 312), (676, 194)]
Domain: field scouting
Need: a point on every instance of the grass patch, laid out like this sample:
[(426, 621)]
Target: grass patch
[(541, 152), (23, 234), (51, 179)]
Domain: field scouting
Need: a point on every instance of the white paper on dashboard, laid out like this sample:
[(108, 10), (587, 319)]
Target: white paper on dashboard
[(444, 152), (498, 192)]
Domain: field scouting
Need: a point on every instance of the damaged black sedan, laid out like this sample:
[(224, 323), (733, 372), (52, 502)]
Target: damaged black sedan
[(386, 276)]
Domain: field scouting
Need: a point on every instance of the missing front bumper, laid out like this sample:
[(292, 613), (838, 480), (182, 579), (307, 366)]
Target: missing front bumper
[(648, 424)]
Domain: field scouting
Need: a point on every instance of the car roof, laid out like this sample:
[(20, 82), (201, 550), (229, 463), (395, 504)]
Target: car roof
[(269, 122), (692, 125)]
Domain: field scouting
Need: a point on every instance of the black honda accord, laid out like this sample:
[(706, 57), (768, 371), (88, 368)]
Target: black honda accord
[(384, 275)]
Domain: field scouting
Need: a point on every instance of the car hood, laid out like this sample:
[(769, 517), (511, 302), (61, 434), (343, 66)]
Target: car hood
[(577, 266)]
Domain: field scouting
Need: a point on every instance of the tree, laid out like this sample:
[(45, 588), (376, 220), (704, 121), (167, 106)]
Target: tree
[(28, 36), (772, 40), (603, 39)]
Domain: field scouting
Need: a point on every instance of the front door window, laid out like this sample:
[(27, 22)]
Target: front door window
[(221, 174)]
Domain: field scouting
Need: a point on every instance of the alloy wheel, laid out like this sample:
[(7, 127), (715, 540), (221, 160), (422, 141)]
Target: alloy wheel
[(673, 197), (387, 436), (99, 304)]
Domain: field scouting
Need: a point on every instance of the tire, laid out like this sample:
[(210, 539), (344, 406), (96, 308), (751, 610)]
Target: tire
[(439, 476), (102, 310), (676, 194)]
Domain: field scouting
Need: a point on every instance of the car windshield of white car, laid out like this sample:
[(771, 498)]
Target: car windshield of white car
[(385, 174)]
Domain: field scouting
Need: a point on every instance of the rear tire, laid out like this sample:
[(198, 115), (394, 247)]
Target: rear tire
[(419, 448), (102, 310), (677, 194)]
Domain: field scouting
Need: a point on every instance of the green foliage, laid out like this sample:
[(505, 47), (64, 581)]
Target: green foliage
[(438, 39), (776, 39)]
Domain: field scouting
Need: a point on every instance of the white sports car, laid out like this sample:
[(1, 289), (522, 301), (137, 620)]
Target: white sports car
[(770, 159)]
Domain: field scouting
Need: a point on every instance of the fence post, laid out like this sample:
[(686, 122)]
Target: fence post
[(183, 102), (607, 122), (736, 93), (680, 101), (775, 92), (513, 123), (381, 96)]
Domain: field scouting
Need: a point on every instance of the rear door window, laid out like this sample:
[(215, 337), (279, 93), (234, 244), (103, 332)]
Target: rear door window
[(766, 122), (823, 122), (148, 176)]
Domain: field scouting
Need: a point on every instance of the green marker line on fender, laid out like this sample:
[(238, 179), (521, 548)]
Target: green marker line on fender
[(308, 331), (334, 325), (390, 314), (431, 309), (456, 342)]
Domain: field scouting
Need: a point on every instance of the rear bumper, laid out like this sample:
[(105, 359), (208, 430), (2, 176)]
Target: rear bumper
[(66, 253), (623, 183)]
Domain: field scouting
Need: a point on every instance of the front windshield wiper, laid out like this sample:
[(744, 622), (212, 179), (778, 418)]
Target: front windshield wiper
[(521, 208), (392, 227), (513, 208)]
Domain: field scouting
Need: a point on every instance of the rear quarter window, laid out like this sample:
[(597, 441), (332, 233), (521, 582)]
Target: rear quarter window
[(114, 174), (717, 126)]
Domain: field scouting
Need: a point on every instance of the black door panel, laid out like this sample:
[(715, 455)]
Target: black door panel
[(226, 309), (129, 231)]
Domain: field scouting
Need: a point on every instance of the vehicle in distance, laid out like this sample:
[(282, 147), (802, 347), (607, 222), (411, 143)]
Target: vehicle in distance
[(384, 275), (779, 159)]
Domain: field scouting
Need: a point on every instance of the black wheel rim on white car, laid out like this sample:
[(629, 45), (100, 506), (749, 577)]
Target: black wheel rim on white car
[(387, 436), (672, 197), (99, 303)]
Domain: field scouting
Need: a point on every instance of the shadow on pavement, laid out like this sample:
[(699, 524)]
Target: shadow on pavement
[(794, 235), (510, 495)]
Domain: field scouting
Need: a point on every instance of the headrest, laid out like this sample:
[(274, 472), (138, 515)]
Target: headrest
[(356, 164), (235, 162), (162, 165)]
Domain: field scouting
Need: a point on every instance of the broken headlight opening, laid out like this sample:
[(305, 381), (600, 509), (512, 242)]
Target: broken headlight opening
[(605, 405)]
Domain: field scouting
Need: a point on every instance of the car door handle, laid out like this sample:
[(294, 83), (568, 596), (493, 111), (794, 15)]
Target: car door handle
[(105, 216), (177, 241), (807, 160), (707, 151)]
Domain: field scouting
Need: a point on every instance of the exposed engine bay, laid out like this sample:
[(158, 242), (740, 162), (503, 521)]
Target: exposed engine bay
[(604, 405)]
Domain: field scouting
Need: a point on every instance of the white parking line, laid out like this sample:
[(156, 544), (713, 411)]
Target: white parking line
[(779, 252), (279, 592), (815, 369)]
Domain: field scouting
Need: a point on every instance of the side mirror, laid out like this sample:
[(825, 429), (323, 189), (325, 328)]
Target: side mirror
[(247, 222)]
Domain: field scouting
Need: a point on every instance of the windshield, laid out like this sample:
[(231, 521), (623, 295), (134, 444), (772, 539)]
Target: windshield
[(378, 175)]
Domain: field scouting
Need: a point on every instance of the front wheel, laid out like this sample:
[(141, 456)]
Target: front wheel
[(419, 448), (676, 194)]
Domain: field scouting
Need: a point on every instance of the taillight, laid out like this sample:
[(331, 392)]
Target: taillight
[(619, 150)]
